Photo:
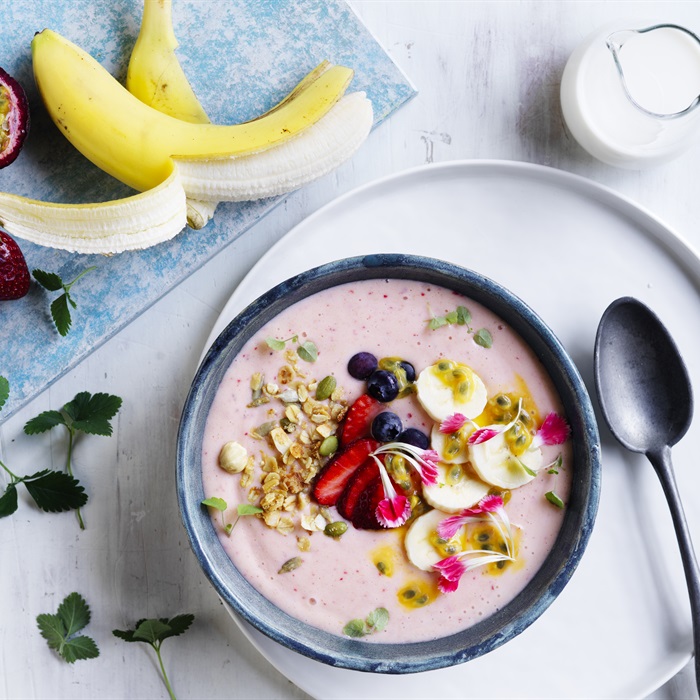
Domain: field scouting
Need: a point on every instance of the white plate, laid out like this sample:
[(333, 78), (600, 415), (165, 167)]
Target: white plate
[(567, 247)]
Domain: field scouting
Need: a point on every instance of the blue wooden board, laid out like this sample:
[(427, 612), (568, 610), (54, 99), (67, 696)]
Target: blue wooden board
[(241, 56)]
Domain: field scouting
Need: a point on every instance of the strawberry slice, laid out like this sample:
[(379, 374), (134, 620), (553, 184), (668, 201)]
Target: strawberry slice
[(333, 478), (358, 419), (364, 516), (358, 482)]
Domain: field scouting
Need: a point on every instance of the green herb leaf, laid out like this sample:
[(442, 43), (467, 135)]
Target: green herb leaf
[(215, 502), (275, 344), (177, 625), (151, 631), (554, 499), (8, 501), (55, 492), (452, 317), (61, 314), (43, 422), (437, 322), (463, 316), (59, 630), (248, 509), (91, 413), (378, 619), (355, 629), (308, 351), (531, 472), (4, 390), (483, 337), (48, 280)]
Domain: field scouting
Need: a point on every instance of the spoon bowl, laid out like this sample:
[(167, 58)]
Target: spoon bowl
[(645, 395)]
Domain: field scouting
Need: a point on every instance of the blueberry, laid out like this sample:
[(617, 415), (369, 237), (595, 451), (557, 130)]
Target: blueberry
[(383, 385), (361, 365), (414, 437), (410, 371), (386, 427)]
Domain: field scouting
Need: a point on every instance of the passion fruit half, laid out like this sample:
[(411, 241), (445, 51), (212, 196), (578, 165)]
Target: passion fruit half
[(14, 118)]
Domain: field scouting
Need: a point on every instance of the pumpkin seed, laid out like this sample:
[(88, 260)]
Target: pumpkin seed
[(329, 446), (335, 529), (325, 388), (290, 565)]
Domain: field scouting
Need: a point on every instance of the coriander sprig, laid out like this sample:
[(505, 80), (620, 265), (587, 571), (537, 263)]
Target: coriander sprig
[(60, 306), (61, 630), (154, 632), (86, 413)]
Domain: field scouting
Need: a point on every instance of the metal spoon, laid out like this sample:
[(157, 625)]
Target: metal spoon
[(645, 395)]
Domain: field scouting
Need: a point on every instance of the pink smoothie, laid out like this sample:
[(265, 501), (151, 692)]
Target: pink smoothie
[(338, 579)]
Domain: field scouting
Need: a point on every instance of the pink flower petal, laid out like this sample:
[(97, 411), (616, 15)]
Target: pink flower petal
[(554, 430), (449, 527), (428, 473), (431, 456), (451, 571), (453, 423), (393, 512), (487, 504), (481, 435)]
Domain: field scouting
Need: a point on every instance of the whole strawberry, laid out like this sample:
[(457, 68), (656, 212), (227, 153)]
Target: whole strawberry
[(14, 275)]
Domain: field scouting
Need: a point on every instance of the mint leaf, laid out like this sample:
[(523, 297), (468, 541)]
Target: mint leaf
[(48, 280), (4, 390), (91, 413), (308, 351), (8, 501), (61, 314), (437, 322), (483, 337), (55, 492), (43, 422), (451, 317), (59, 630)]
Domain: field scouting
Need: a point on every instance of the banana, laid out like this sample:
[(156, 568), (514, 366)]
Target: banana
[(134, 142), (452, 447), (448, 387), (422, 540), (457, 488), (107, 227), (496, 464), (155, 75)]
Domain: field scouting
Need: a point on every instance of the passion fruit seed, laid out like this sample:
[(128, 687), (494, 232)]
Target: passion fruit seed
[(14, 118), (336, 529), (329, 446)]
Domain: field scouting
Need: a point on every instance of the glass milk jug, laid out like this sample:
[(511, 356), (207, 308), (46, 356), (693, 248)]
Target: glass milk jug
[(630, 96)]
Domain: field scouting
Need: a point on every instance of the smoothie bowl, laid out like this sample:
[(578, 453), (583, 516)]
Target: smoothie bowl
[(388, 464)]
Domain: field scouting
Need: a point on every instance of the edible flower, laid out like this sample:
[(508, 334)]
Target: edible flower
[(423, 461), (453, 423), (452, 568), (553, 431), (394, 509)]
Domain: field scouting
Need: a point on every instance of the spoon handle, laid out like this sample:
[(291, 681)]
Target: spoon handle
[(662, 464)]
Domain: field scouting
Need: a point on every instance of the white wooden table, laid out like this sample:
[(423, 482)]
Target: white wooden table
[(488, 77)]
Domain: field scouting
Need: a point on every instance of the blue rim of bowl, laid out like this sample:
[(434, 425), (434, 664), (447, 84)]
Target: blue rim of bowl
[(412, 657)]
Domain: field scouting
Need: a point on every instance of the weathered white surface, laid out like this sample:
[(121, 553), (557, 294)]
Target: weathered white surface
[(487, 75)]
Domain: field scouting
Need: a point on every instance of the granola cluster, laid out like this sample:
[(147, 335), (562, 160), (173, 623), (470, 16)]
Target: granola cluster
[(296, 424)]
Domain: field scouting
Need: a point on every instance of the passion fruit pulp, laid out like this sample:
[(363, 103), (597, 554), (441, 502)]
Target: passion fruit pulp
[(14, 118)]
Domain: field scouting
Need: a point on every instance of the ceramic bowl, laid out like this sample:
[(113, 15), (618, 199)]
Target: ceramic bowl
[(355, 654)]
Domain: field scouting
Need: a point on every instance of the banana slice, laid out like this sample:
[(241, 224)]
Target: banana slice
[(457, 488), (421, 539), (448, 387), (494, 462)]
